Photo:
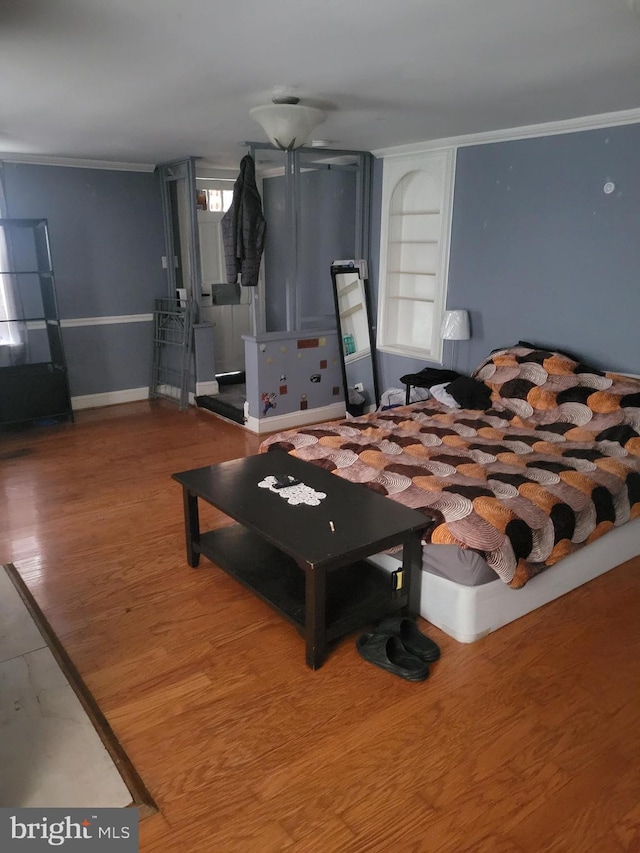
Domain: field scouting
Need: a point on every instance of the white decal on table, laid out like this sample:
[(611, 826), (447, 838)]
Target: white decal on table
[(296, 494)]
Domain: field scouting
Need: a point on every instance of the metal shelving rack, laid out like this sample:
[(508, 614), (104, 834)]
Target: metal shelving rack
[(172, 350), (33, 370)]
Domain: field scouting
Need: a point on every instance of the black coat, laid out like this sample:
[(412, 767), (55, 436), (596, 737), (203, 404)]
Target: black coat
[(244, 228)]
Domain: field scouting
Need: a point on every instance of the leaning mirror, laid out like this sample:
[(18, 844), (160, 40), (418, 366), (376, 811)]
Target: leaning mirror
[(355, 334)]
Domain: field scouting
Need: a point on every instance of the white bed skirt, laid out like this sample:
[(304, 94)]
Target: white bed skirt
[(468, 613)]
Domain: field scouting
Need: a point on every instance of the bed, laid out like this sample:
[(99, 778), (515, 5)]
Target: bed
[(531, 478)]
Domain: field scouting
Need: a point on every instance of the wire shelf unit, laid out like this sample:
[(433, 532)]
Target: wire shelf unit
[(173, 321)]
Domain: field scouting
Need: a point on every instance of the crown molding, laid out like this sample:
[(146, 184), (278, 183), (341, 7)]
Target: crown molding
[(529, 131), (75, 163)]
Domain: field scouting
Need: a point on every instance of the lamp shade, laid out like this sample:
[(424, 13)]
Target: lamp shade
[(287, 125), (455, 326)]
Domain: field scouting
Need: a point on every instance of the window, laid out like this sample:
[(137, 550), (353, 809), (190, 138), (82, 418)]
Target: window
[(219, 200), (9, 333), (216, 195), (417, 194)]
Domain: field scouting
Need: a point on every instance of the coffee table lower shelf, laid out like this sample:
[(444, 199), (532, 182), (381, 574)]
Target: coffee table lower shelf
[(356, 594)]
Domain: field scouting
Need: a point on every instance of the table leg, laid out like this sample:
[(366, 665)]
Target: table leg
[(412, 568), (191, 526), (315, 616)]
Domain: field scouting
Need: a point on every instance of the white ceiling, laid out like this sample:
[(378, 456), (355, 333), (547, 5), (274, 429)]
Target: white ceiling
[(146, 81)]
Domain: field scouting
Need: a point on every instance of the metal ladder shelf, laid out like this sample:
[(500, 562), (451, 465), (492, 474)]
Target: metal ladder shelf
[(172, 350)]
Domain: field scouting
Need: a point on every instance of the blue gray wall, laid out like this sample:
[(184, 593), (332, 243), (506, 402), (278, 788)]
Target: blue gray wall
[(540, 253), (326, 232), (276, 258), (107, 241)]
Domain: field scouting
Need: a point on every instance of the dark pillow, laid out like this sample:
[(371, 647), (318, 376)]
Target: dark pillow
[(552, 351), (429, 376), (470, 393)]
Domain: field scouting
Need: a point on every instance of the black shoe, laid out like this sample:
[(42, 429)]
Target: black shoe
[(387, 652), (414, 641)]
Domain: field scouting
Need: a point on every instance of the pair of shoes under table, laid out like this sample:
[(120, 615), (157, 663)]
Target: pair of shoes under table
[(398, 646)]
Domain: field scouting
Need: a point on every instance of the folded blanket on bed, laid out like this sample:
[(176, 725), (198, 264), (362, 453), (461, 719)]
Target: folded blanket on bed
[(552, 465), (470, 393), (429, 376)]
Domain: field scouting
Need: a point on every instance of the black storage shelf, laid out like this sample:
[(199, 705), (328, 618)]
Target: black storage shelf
[(32, 391), (34, 383), (356, 594)]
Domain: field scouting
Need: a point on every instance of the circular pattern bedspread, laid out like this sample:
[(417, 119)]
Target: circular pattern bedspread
[(552, 465)]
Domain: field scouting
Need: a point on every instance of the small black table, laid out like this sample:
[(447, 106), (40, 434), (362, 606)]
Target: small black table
[(307, 562)]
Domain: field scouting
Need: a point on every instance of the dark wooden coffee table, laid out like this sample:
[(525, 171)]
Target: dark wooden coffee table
[(307, 562)]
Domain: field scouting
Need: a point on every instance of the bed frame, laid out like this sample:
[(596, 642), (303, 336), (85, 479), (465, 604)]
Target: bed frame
[(468, 613)]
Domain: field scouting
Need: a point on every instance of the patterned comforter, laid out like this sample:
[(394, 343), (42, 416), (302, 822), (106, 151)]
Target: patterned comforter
[(552, 465)]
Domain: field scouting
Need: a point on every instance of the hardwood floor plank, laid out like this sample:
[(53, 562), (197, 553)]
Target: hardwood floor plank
[(526, 741), (627, 829), (591, 803)]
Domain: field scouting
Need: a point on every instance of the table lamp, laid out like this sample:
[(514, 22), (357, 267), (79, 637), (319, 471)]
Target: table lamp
[(455, 327)]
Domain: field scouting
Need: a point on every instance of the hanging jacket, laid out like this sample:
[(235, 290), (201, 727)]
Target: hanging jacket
[(244, 228)]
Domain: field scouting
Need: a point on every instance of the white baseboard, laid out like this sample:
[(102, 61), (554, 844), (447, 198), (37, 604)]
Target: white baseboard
[(109, 398), (128, 395), (257, 425), (295, 419)]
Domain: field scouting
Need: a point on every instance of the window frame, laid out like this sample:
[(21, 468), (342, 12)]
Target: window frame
[(441, 163)]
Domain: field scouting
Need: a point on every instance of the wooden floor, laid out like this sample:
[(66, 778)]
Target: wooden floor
[(528, 740)]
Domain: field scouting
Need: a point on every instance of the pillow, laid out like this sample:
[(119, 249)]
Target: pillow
[(470, 393), (539, 353), (537, 347), (554, 351), (440, 393)]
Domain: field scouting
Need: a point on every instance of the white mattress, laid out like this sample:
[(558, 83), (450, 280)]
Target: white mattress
[(469, 612)]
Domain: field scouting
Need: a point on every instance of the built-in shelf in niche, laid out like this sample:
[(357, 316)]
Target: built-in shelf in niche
[(414, 235)]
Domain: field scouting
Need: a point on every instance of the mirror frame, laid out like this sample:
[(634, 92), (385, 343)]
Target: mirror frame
[(360, 267)]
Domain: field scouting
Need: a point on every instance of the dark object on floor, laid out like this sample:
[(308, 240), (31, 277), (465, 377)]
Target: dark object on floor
[(414, 641), (230, 400), (237, 377), (388, 652), (220, 406)]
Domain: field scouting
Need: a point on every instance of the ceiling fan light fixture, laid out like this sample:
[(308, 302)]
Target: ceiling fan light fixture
[(287, 123)]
